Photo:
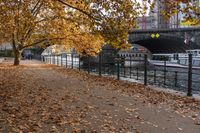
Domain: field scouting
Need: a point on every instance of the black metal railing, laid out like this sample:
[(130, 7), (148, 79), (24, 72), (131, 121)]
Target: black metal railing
[(127, 67)]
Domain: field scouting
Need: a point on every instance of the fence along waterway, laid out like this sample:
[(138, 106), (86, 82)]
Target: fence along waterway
[(185, 78)]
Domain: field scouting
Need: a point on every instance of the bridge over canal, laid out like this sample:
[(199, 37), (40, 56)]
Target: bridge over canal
[(167, 40)]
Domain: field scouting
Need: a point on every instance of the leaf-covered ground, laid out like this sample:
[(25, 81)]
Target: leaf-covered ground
[(35, 97)]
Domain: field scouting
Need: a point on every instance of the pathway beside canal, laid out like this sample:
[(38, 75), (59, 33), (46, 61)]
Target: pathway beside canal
[(36, 97)]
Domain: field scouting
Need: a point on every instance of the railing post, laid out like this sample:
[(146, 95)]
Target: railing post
[(176, 78), (47, 59), (61, 59), (165, 72), (189, 75), (57, 61), (145, 69), (88, 64), (118, 69), (54, 62), (130, 66), (79, 62), (137, 74), (99, 65), (42, 58), (50, 59), (124, 65), (66, 60), (72, 60)]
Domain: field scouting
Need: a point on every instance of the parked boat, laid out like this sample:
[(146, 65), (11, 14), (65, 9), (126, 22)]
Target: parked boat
[(177, 59), (183, 58)]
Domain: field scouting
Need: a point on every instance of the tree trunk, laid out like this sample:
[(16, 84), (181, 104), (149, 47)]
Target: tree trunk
[(17, 51), (17, 55)]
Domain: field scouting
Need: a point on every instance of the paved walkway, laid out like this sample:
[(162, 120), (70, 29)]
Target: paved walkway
[(35, 97)]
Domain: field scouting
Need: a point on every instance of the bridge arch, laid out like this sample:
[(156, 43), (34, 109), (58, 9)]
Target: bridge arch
[(163, 45), (169, 41)]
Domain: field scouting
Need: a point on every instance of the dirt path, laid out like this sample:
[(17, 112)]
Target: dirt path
[(42, 98)]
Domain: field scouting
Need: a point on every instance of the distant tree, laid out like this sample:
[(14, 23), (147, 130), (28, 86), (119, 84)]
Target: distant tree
[(82, 24)]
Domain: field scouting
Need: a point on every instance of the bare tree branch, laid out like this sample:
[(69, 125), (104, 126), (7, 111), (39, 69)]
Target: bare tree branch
[(78, 9)]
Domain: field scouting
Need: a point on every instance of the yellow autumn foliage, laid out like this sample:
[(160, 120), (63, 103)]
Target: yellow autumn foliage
[(85, 25), (190, 9)]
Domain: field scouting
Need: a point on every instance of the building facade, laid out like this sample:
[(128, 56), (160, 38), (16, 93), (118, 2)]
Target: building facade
[(155, 18)]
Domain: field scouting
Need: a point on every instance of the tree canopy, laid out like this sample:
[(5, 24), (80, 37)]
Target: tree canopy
[(190, 9), (85, 25)]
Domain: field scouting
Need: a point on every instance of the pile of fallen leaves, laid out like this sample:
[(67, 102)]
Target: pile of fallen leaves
[(27, 105), (145, 93), (23, 109)]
